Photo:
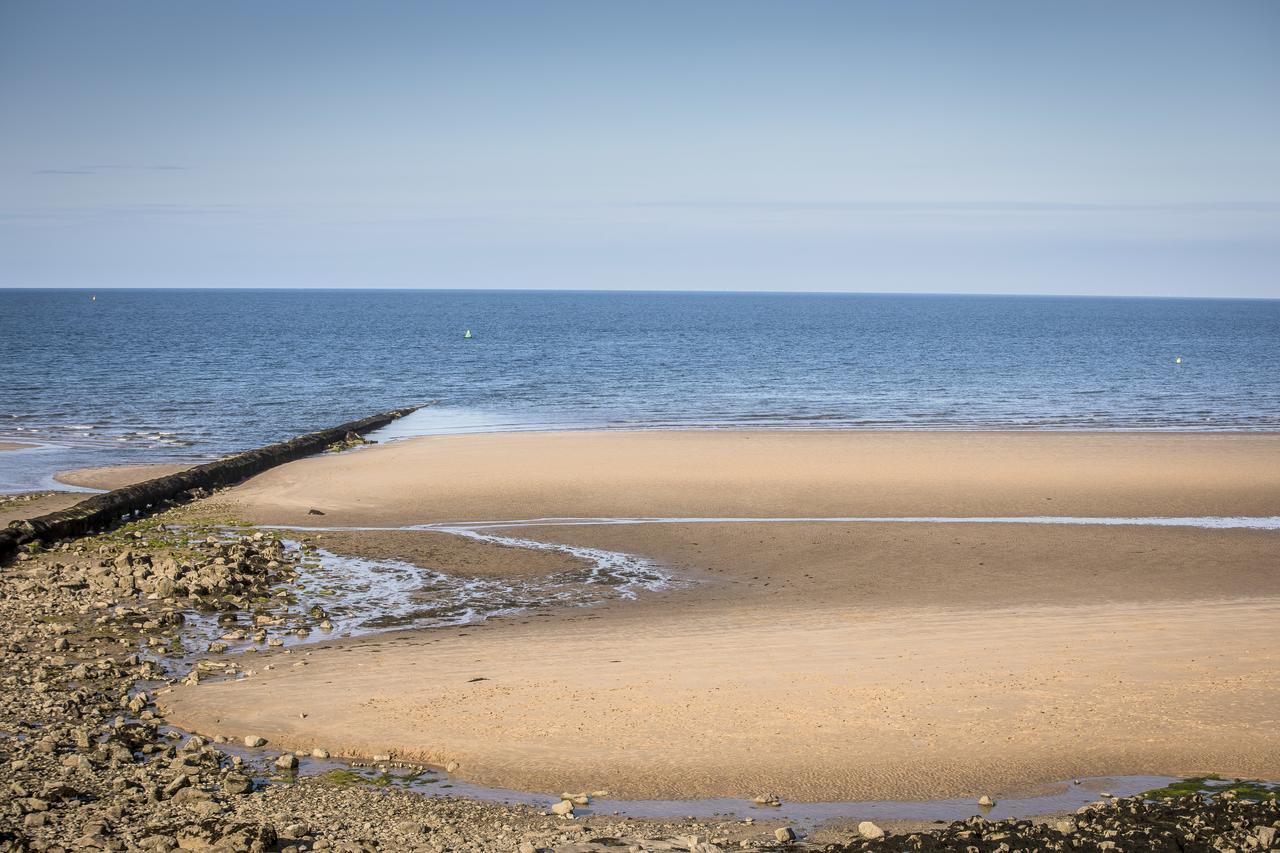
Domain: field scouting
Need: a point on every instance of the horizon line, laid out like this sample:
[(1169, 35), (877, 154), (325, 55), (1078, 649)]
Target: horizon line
[(631, 291)]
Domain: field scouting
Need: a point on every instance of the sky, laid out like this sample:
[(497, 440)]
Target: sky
[(1079, 147)]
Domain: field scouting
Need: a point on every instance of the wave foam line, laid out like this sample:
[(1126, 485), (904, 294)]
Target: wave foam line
[(468, 528)]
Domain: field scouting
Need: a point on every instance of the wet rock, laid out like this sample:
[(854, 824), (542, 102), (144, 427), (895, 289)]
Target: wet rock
[(215, 835), (236, 784), (60, 792), (176, 784)]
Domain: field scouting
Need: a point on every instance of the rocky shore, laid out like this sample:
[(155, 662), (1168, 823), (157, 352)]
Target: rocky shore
[(1190, 823), (92, 628)]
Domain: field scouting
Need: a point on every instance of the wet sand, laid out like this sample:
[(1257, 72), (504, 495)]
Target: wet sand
[(776, 474), (455, 554), (15, 445), (34, 504), (822, 661), (116, 476)]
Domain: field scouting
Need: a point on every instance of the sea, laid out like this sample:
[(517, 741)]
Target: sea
[(129, 376)]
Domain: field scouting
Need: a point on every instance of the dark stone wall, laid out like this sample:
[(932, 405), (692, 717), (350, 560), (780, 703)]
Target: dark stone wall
[(102, 511)]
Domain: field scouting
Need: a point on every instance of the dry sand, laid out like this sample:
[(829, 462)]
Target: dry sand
[(821, 661)]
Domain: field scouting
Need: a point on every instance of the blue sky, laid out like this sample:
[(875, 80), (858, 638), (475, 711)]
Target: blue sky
[(998, 147)]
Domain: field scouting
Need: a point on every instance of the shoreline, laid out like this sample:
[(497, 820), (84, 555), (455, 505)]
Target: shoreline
[(813, 659), (105, 470)]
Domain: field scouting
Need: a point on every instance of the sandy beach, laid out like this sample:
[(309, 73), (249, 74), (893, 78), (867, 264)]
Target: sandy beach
[(817, 660)]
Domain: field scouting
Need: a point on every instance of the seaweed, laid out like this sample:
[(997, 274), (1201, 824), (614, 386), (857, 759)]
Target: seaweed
[(1214, 785), (343, 777)]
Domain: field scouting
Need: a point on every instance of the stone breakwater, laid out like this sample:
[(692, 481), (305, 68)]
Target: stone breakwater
[(92, 629), (103, 511)]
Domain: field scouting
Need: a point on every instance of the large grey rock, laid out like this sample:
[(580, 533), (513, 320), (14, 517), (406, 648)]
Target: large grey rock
[(236, 783)]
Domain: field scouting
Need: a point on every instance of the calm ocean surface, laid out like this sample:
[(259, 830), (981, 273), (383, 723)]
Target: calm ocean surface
[(153, 375)]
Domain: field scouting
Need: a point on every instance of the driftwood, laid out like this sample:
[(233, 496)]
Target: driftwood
[(103, 511)]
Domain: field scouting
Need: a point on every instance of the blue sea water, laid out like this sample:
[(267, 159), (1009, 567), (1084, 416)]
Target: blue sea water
[(153, 375)]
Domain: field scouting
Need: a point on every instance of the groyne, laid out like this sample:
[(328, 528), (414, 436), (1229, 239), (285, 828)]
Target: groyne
[(102, 511)]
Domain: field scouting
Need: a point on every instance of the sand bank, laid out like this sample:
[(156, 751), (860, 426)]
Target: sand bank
[(15, 445), (31, 505), (777, 474), (117, 476), (822, 661)]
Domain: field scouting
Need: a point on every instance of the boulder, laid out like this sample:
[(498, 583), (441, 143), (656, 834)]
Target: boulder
[(236, 784)]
